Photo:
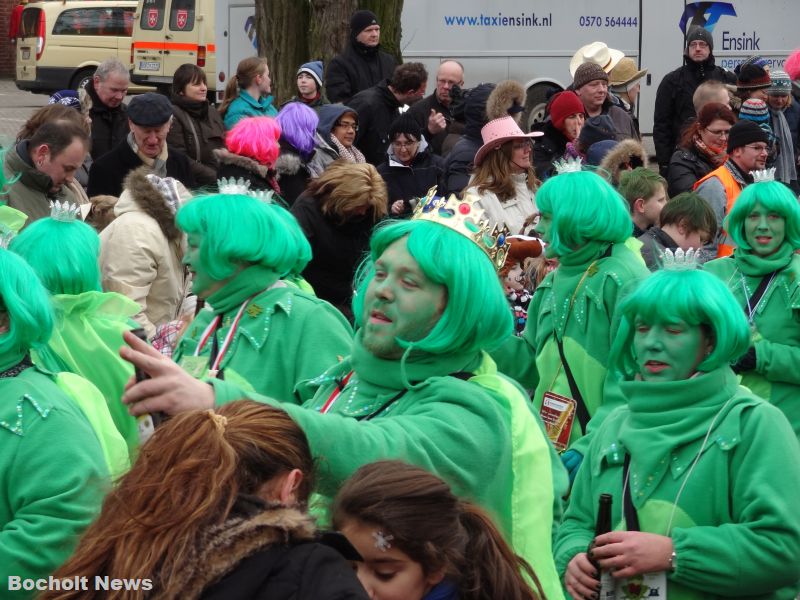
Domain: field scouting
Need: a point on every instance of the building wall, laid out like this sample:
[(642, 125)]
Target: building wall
[(6, 49)]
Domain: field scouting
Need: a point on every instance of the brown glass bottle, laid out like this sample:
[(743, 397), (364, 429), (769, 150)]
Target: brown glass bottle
[(603, 525)]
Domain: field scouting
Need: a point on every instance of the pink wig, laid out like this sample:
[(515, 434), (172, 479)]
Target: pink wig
[(792, 65), (256, 138)]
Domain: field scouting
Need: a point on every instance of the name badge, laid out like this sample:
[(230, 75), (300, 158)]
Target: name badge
[(646, 585), (558, 415)]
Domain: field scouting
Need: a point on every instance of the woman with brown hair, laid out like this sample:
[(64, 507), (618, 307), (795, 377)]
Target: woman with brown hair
[(337, 213), (213, 508), (248, 93), (702, 148), (419, 541)]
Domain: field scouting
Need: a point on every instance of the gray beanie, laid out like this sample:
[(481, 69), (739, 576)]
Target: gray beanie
[(700, 33)]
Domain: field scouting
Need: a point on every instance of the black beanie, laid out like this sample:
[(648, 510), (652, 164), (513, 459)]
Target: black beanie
[(360, 20), (596, 129), (699, 33), (746, 132), (407, 125)]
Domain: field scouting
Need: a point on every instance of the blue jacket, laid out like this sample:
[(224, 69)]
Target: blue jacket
[(246, 106)]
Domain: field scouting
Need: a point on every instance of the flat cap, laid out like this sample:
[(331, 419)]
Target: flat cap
[(149, 110)]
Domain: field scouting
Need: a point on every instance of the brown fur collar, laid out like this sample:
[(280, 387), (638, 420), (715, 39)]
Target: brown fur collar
[(226, 157), (227, 545), (151, 202), (503, 97), (621, 154)]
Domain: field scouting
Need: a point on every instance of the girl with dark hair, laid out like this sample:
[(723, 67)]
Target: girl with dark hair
[(702, 148), (241, 478), (419, 541), (197, 129)]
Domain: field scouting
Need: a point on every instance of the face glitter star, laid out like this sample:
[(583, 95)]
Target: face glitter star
[(382, 541)]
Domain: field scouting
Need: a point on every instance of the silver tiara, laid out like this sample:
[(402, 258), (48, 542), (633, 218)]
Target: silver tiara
[(568, 165), (6, 235), (680, 260), (230, 185), (763, 175), (64, 211)]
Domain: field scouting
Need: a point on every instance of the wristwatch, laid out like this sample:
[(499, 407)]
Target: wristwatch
[(672, 562)]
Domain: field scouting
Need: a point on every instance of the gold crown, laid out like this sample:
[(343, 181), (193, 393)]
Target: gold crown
[(465, 217)]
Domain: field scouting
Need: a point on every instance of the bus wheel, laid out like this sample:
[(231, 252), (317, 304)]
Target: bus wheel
[(535, 102)]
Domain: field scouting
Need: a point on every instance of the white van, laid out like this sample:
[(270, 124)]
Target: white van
[(532, 41), (169, 33), (60, 43)]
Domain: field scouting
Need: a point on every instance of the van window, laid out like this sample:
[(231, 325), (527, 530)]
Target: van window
[(152, 14), (29, 24), (90, 21), (181, 15)]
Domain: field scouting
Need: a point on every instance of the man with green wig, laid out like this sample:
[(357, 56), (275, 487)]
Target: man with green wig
[(53, 469), (417, 384), (261, 333)]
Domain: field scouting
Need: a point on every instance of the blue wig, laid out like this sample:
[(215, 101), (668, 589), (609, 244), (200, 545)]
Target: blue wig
[(238, 230), (584, 207), (694, 297), (477, 315), (298, 127)]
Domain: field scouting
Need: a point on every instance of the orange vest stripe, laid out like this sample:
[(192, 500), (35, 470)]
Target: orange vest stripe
[(732, 191)]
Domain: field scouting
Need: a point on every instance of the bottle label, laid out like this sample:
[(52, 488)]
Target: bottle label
[(558, 415)]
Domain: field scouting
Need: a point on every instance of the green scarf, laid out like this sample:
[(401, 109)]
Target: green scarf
[(669, 415), (244, 284), (585, 255), (10, 359), (753, 265), (380, 376)]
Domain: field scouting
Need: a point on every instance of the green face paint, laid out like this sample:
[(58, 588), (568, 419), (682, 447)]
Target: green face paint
[(764, 230), (542, 228), (202, 283), (668, 351), (400, 302)]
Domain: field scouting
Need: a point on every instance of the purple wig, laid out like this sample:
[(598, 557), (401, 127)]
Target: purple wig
[(299, 124), (256, 138)]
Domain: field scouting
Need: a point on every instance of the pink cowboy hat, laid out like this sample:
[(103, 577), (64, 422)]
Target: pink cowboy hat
[(499, 131)]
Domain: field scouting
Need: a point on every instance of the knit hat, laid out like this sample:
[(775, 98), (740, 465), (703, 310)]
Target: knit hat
[(586, 73), (313, 68), (596, 129), (752, 77), (405, 124), (562, 106), (781, 84), (598, 151), (756, 60), (754, 110), (67, 98), (700, 33), (746, 132), (360, 20)]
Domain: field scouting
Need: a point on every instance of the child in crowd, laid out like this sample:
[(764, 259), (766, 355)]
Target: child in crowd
[(515, 275), (646, 193)]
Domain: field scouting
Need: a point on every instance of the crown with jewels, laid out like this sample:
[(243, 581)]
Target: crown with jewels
[(64, 211), (465, 217), (763, 175), (680, 260)]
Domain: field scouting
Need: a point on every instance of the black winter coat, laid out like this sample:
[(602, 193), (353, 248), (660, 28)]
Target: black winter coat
[(413, 181), (108, 171), (291, 171), (377, 109), (336, 248), (355, 70), (109, 125), (686, 167), (674, 103), (422, 110), (235, 166), (547, 149), (197, 131)]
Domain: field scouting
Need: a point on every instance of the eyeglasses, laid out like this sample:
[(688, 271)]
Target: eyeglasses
[(759, 148), (347, 125), (404, 145), (698, 44), (719, 132)]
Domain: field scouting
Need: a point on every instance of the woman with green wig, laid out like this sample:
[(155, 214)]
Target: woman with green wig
[(564, 349), (703, 474), (764, 275), (262, 333), (53, 470), (89, 323)]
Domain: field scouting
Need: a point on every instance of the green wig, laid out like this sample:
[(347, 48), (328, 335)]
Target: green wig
[(774, 197), (477, 315), (694, 297), (24, 299), (64, 255), (240, 230), (584, 207)]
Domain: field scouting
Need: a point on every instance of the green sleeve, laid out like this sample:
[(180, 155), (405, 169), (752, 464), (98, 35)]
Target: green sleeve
[(778, 362), (516, 357), (54, 487), (325, 339), (763, 539)]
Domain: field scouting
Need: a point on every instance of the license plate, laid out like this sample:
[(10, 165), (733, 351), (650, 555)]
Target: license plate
[(26, 53), (149, 65)]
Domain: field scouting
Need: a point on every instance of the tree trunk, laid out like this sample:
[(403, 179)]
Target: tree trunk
[(329, 28), (282, 27)]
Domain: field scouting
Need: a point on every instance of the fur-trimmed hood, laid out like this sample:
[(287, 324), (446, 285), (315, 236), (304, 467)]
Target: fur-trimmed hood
[(505, 95), (288, 163), (226, 157), (139, 194), (225, 546), (621, 154)]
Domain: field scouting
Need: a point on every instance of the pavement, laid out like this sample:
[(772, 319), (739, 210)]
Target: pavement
[(16, 106)]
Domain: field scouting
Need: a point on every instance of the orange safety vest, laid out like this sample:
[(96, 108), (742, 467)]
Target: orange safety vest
[(732, 191)]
